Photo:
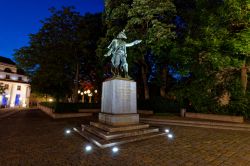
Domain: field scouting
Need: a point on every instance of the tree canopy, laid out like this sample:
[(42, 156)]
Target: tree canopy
[(191, 50), (61, 51)]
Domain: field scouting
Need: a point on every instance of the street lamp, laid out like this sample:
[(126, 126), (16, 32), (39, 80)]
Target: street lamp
[(90, 96)]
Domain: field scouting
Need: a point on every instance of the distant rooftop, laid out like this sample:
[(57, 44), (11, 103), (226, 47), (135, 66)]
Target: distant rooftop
[(6, 60)]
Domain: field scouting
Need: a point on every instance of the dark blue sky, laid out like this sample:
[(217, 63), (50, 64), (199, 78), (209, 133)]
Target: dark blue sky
[(19, 18)]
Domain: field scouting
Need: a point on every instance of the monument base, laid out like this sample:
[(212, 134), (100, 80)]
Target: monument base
[(105, 136), (119, 119)]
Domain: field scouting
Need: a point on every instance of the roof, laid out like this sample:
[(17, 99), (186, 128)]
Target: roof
[(6, 60)]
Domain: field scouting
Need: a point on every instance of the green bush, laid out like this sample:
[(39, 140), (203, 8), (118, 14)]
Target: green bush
[(204, 98), (70, 107), (144, 105), (158, 105)]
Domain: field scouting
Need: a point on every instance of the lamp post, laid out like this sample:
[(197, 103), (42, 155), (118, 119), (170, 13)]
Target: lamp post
[(82, 94), (90, 97)]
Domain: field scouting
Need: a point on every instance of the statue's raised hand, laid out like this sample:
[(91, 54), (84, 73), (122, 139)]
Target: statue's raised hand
[(138, 41)]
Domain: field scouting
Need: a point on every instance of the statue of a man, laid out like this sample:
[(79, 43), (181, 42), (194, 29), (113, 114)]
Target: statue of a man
[(117, 49)]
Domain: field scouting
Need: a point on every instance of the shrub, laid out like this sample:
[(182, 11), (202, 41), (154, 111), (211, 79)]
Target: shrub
[(70, 107), (158, 105)]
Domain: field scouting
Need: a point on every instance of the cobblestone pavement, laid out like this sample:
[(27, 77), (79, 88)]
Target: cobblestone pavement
[(32, 138)]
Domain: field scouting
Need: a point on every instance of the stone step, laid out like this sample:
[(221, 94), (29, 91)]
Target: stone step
[(244, 125), (214, 125), (115, 135), (109, 128), (102, 143)]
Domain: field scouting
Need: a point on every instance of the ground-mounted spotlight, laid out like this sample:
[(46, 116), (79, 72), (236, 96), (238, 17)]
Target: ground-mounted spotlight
[(170, 136), (68, 131), (167, 130), (115, 149), (88, 148)]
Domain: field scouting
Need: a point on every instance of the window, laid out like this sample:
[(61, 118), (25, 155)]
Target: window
[(20, 78), (18, 87), (7, 70), (6, 86), (7, 76)]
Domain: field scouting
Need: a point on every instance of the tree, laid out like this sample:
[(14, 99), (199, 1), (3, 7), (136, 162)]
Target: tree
[(60, 52), (215, 40), (147, 20), (2, 89)]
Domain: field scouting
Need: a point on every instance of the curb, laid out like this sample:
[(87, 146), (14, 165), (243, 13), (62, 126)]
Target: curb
[(201, 124)]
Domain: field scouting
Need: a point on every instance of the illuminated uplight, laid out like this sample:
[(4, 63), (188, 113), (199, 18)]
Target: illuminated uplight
[(82, 93), (20, 98), (12, 105), (95, 91), (50, 100), (85, 92), (88, 148), (167, 130), (90, 94), (7, 96), (79, 91), (88, 91), (24, 105), (68, 131), (115, 149), (170, 136)]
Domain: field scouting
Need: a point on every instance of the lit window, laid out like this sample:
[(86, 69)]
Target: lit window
[(19, 87)]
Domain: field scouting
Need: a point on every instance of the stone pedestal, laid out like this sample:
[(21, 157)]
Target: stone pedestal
[(119, 103), (118, 120)]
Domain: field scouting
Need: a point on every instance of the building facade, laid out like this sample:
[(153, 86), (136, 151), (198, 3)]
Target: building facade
[(15, 83)]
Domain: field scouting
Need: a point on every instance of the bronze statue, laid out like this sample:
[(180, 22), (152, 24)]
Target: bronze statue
[(117, 49)]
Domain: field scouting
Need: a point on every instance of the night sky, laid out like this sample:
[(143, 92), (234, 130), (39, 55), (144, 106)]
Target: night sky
[(18, 18)]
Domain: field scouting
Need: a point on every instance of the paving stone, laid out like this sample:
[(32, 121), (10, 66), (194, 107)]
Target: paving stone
[(33, 138)]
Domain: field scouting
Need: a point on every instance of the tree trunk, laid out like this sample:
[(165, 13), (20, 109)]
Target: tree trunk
[(164, 82), (76, 81), (145, 83), (244, 77)]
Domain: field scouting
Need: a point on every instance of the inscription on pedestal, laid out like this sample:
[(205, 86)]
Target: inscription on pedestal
[(119, 97)]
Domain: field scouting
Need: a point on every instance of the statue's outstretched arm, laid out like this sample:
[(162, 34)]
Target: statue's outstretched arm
[(133, 43)]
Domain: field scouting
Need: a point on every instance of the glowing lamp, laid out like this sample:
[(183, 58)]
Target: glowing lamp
[(170, 136), (166, 130), (115, 149), (68, 131), (88, 148)]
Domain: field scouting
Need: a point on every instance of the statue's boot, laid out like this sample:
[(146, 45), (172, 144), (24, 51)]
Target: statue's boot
[(127, 76)]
